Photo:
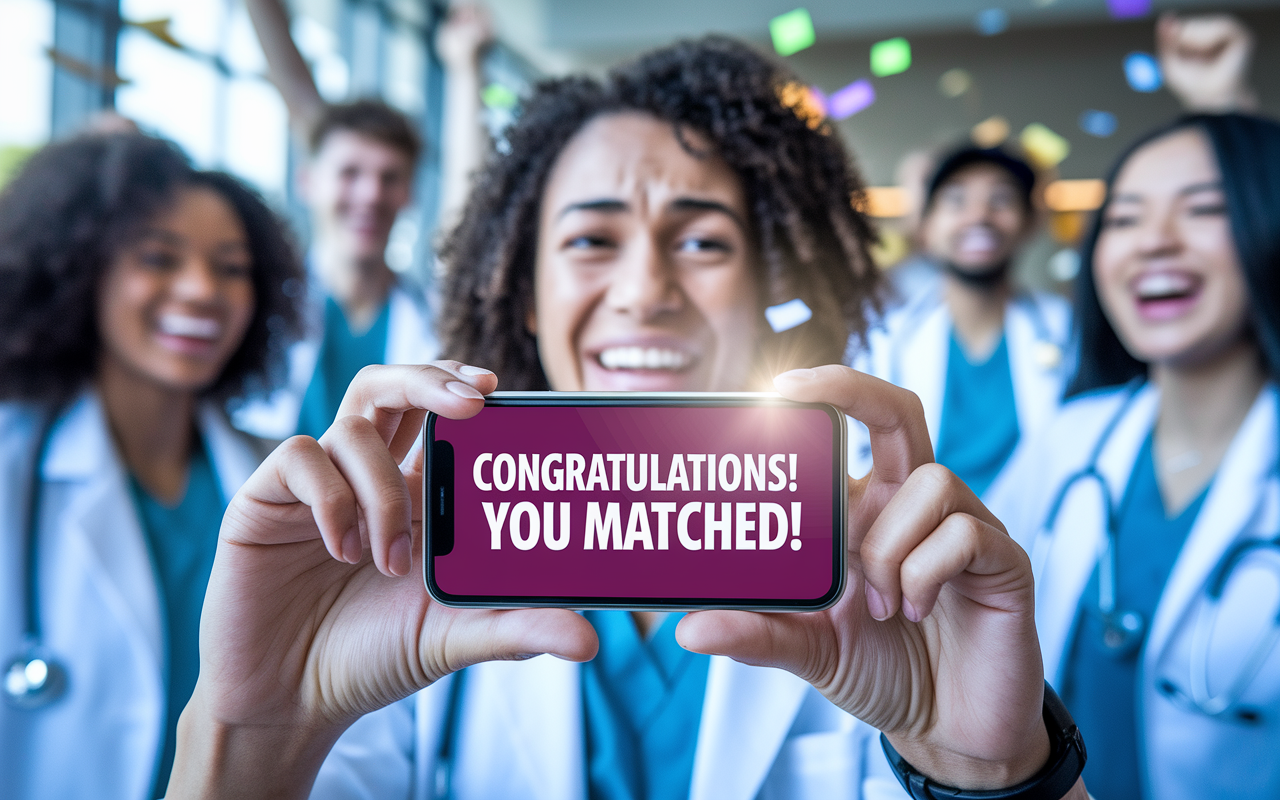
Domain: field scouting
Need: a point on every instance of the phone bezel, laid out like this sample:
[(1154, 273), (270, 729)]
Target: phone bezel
[(840, 493)]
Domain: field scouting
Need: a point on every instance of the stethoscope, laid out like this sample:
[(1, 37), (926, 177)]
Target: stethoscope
[(442, 779), (34, 678), (1124, 630)]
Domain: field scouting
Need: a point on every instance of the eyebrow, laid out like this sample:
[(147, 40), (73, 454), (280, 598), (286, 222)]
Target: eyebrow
[(606, 205), (174, 240), (1195, 188)]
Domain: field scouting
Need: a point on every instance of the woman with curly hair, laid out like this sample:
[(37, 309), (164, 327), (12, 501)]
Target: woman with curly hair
[(628, 234), (138, 295)]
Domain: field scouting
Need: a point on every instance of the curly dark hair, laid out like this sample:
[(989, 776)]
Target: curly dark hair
[(803, 194), (66, 216)]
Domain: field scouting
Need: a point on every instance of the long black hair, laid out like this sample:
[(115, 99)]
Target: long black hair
[(800, 183), (66, 216), (1247, 149)]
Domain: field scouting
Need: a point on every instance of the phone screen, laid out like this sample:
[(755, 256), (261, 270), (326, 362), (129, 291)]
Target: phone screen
[(700, 501)]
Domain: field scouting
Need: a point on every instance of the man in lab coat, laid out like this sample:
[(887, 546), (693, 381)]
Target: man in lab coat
[(985, 359)]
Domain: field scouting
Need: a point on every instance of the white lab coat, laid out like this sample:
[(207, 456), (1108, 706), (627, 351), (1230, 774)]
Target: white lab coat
[(99, 604), (764, 734), (410, 340), (1187, 754), (909, 345)]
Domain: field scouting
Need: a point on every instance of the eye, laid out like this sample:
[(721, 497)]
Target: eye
[(1120, 219), (233, 269), (699, 244), (1208, 209), (158, 260), (587, 242)]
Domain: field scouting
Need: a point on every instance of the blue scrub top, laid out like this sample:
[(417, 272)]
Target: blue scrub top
[(642, 702), (182, 540), (979, 428), (1100, 687), (343, 353)]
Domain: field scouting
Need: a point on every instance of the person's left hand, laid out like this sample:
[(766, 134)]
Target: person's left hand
[(1205, 61), (934, 640)]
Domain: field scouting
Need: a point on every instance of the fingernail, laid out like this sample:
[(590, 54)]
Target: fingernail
[(462, 390), (400, 556), (351, 546), (471, 371), (798, 375), (909, 611), (876, 604)]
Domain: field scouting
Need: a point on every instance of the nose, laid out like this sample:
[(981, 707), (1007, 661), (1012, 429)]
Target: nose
[(196, 281), (643, 285), (1159, 235)]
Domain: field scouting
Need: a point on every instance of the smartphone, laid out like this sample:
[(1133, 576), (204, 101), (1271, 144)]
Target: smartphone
[(635, 500)]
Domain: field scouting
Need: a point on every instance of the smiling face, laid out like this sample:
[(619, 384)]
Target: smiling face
[(644, 278), (174, 305), (355, 186), (1165, 265), (976, 220)]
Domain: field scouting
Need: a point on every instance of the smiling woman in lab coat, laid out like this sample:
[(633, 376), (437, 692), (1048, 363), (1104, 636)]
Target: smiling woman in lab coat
[(1149, 506), (137, 296), (630, 235)]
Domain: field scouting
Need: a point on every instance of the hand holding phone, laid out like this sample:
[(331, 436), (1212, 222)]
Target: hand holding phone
[(635, 500)]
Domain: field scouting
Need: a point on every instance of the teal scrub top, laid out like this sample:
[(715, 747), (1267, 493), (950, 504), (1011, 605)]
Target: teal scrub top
[(642, 702), (979, 428), (343, 353), (182, 540), (1100, 687)]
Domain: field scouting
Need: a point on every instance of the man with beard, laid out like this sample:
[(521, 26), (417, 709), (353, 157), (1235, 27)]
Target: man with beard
[(986, 359)]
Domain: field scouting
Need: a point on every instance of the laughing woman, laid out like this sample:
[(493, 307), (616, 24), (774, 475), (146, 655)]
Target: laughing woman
[(137, 295), (1151, 506)]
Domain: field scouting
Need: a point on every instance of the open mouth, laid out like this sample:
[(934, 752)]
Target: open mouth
[(647, 367), (977, 242), (189, 335), (1165, 294)]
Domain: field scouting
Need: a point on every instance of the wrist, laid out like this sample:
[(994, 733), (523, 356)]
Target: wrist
[(219, 759), (970, 773)]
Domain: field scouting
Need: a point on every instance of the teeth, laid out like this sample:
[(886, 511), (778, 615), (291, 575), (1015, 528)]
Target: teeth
[(191, 327), (1162, 284), (643, 358), (980, 238)]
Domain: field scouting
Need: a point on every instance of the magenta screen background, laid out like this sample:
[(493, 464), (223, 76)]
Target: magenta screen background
[(472, 568)]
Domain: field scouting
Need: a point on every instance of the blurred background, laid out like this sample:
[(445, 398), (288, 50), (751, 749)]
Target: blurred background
[(1068, 81)]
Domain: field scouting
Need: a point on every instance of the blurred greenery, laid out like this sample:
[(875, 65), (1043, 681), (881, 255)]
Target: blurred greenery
[(12, 157)]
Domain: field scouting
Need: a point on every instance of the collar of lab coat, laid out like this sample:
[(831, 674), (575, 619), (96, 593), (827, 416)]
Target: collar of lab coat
[(1235, 498), (922, 336), (81, 451)]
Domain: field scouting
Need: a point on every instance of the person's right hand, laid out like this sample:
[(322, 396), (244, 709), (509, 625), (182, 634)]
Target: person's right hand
[(1205, 60), (316, 612), (466, 31)]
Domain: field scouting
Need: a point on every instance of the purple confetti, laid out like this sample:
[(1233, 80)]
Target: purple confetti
[(851, 99), (1128, 9)]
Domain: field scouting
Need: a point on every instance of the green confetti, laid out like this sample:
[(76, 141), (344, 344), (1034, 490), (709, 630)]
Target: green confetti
[(791, 32), (495, 95), (890, 57)]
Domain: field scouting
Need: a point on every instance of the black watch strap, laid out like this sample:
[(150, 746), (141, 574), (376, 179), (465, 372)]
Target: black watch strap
[(1052, 782)]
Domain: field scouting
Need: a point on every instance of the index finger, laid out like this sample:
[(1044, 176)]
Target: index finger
[(894, 416), (393, 397)]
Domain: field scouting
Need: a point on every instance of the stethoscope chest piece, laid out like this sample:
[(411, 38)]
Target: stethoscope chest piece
[(1122, 632), (33, 680)]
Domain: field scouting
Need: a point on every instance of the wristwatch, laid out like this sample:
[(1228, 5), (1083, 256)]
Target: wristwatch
[(1052, 782)]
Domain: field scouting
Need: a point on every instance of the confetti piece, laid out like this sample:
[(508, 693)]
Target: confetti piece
[(885, 202), (1064, 264), (890, 57), (1142, 71), (791, 32), (1075, 195), (807, 102), (991, 21), (495, 95), (851, 99), (991, 132), (954, 82), (785, 316), (1098, 123), (1044, 147), (1128, 9)]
